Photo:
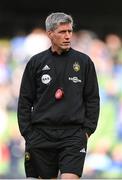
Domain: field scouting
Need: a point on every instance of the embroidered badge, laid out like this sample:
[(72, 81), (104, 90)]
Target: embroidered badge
[(27, 156), (76, 66)]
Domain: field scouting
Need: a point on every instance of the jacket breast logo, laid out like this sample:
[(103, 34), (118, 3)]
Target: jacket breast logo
[(46, 78), (46, 67), (75, 79), (76, 66), (27, 156)]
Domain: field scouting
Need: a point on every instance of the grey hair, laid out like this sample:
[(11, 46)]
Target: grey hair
[(55, 19)]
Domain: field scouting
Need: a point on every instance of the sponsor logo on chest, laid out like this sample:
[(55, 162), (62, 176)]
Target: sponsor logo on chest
[(46, 78), (75, 79)]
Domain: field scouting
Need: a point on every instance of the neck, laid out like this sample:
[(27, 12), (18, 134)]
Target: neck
[(58, 50)]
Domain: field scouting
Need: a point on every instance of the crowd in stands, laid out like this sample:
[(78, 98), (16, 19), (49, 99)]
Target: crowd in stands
[(104, 158)]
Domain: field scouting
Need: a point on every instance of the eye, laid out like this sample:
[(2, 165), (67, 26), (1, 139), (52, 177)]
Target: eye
[(62, 32)]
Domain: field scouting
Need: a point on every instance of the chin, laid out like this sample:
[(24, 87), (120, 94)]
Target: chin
[(65, 48)]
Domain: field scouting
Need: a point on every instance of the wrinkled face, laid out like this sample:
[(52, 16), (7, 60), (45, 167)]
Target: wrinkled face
[(61, 37)]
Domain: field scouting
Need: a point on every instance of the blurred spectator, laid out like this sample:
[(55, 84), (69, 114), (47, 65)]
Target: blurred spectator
[(82, 40), (99, 159), (36, 42), (16, 152), (116, 166), (113, 42), (4, 61), (119, 120), (4, 158), (18, 53)]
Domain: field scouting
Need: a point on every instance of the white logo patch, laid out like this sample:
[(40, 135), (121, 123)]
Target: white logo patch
[(46, 67), (46, 78), (75, 79)]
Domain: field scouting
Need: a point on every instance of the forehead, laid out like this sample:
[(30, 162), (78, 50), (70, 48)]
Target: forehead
[(64, 26)]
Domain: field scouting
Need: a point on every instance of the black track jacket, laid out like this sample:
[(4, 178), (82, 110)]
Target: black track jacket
[(44, 73)]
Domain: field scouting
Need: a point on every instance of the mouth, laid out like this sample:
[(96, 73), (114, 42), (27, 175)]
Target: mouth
[(66, 43)]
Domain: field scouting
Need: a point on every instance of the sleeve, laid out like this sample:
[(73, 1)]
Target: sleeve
[(26, 100), (91, 99)]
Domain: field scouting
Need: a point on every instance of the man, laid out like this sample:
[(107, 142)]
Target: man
[(58, 105)]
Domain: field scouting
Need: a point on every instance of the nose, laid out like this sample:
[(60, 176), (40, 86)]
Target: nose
[(67, 35)]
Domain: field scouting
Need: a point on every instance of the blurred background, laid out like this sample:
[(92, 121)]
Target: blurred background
[(98, 33)]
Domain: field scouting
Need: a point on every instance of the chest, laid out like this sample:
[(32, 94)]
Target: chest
[(69, 73)]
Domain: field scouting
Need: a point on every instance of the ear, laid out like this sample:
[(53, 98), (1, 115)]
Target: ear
[(49, 33)]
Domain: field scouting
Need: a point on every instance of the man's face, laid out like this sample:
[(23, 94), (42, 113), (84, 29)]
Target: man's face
[(61, 36)]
